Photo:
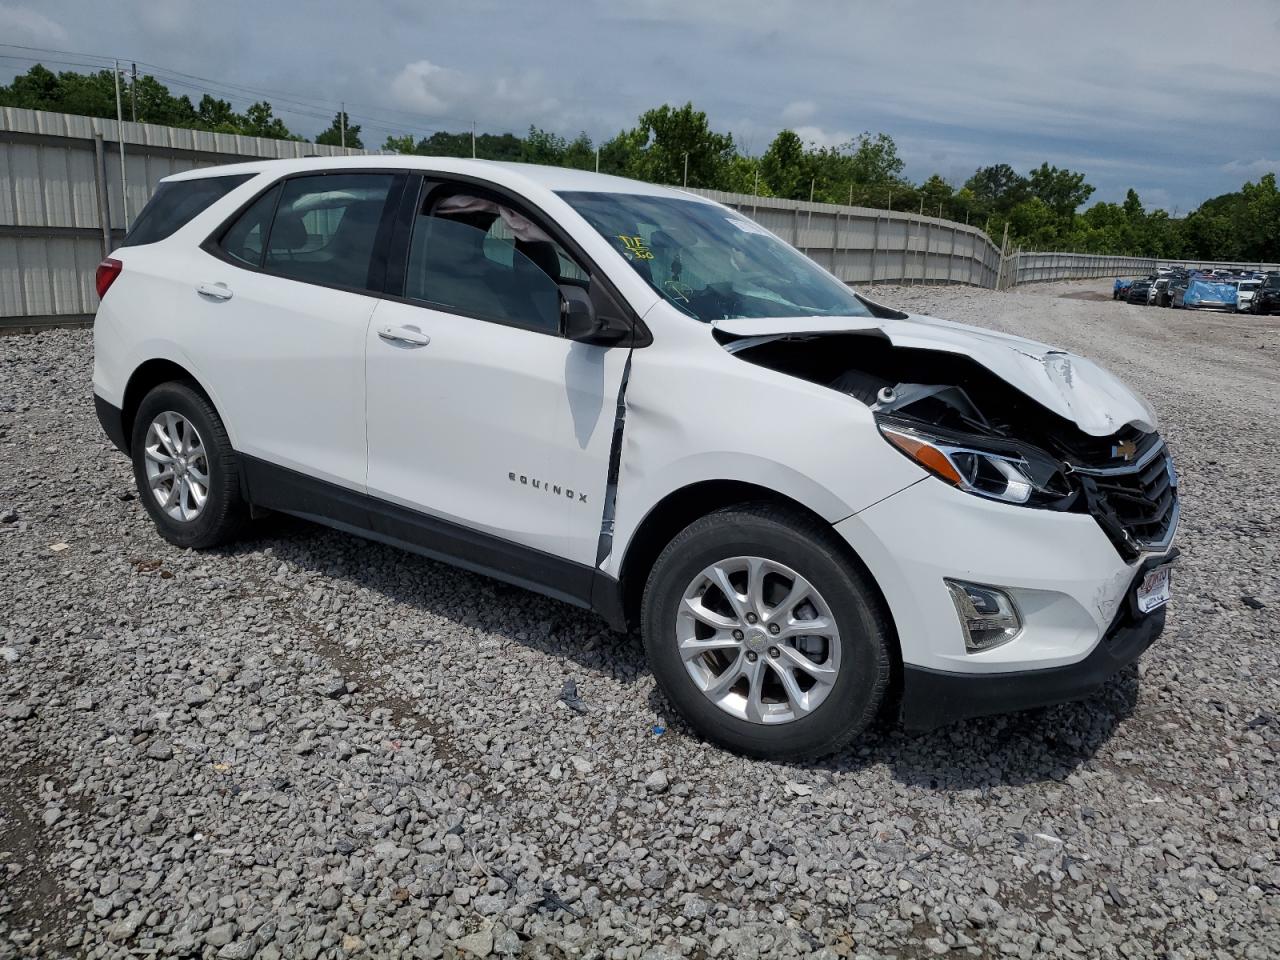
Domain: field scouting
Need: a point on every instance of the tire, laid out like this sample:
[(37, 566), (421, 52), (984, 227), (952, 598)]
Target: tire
[(223, 515), (859, 650)]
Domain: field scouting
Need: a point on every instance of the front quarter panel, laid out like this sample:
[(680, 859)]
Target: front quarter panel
[(695, 413)]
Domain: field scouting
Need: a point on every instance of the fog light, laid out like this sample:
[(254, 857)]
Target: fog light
[(987, 615)]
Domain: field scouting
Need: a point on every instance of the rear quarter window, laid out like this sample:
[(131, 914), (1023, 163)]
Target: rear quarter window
[(176, 203)]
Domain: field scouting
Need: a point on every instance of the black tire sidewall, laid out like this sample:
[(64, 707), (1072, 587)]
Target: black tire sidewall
[(863, 653), (220, 518)]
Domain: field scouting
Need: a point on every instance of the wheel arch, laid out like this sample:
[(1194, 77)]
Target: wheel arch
[(683, 506), (146, 377)]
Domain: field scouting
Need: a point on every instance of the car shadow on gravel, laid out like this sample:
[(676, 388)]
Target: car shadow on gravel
[(468, 600), (1015, 749), (1034, 746)]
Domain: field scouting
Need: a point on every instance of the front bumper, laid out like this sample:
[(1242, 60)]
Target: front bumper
[(1069, 583), (934, 698)]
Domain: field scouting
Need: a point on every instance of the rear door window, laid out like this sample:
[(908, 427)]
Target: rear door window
[(327, 229), (245, 240), (474, 256), (176, 203)]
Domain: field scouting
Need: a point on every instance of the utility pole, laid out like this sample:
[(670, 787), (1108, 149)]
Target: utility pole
[(851, 194), (597, 158), (473, 139), (342, 124), (124, 181), (686, 169), (890, 204), (133, 94)]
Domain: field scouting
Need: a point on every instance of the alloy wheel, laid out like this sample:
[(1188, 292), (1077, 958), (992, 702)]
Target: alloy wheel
[(758, 640), (177, 466)]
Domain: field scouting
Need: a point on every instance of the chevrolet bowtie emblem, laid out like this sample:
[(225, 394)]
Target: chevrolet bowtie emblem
[(1125, 449)]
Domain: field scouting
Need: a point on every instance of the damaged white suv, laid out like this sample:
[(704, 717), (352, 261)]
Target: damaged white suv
[(641, 402)]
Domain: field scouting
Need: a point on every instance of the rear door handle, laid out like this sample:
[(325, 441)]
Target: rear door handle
[(409, 336), (214, 291)]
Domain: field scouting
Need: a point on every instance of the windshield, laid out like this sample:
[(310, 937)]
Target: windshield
[(712, 263)]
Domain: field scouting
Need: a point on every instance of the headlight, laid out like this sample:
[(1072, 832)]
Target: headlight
[(988, 467)]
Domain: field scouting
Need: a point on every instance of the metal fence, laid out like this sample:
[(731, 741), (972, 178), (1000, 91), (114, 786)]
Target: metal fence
[(65, 199), (1039, 267), (863, 245)]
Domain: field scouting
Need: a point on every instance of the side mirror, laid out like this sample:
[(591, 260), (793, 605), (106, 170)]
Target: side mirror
[(580, 321)]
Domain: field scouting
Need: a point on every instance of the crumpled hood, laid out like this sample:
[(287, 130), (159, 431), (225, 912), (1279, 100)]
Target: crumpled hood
[(1071, 386)]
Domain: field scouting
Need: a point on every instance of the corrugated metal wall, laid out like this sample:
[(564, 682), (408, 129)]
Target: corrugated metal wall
[(60, 180), (60, 173)]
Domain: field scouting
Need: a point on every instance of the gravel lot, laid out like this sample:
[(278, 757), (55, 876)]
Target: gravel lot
[(315, 746)]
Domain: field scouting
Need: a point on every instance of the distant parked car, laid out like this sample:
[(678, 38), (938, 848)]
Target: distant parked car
[(1160, 295), (1138, 291), (1245, 291), (1266, 300), (1206, 294)]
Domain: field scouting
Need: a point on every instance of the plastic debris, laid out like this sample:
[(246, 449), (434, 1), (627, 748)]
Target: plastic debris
[(569, 697)]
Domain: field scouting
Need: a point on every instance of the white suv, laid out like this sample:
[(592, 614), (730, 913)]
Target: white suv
[(640, 402)]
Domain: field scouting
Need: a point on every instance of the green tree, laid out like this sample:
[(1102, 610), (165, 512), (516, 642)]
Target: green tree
[(620, 155), (936, 194), (1061, 190), (998, 188), (216, 115), (785, 167), (333, 136), (259, 121), (579, 153), (676, 139), (401, 144), (541, 146)]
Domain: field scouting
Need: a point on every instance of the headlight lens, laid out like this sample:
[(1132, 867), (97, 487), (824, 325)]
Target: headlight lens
[(1021, 476)]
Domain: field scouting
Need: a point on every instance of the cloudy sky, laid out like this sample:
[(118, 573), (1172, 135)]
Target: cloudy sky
[(1180, 100)]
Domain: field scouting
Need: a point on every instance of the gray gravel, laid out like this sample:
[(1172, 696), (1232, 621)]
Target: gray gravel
[(315, 746)]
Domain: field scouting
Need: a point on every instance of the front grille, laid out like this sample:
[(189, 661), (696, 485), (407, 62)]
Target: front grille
[(1136, 503)]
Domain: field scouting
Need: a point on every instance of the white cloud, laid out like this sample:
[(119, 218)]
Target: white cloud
[(20, 25), (492, 100), (425, 87), (799, 111), (1251, 168)]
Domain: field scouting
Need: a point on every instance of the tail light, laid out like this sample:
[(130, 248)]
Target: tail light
[(108, 270)]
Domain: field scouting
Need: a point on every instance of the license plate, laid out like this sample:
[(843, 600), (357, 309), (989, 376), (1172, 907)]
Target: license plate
[(1153, 592)]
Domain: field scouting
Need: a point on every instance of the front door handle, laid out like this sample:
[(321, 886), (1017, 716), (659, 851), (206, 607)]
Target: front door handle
[(409, 336), (214, 291)]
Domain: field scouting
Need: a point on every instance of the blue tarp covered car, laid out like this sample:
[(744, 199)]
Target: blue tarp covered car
[(1121, 288), (1209, 295)]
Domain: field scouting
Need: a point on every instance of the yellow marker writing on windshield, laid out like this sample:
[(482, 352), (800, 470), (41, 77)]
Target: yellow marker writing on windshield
[(636, 247)]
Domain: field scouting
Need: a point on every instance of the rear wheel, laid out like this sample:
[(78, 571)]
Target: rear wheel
[(763, 635), (187, 475)]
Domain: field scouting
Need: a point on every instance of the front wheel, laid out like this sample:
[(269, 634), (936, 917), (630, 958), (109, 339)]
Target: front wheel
[(187, 474), (764, 636)]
